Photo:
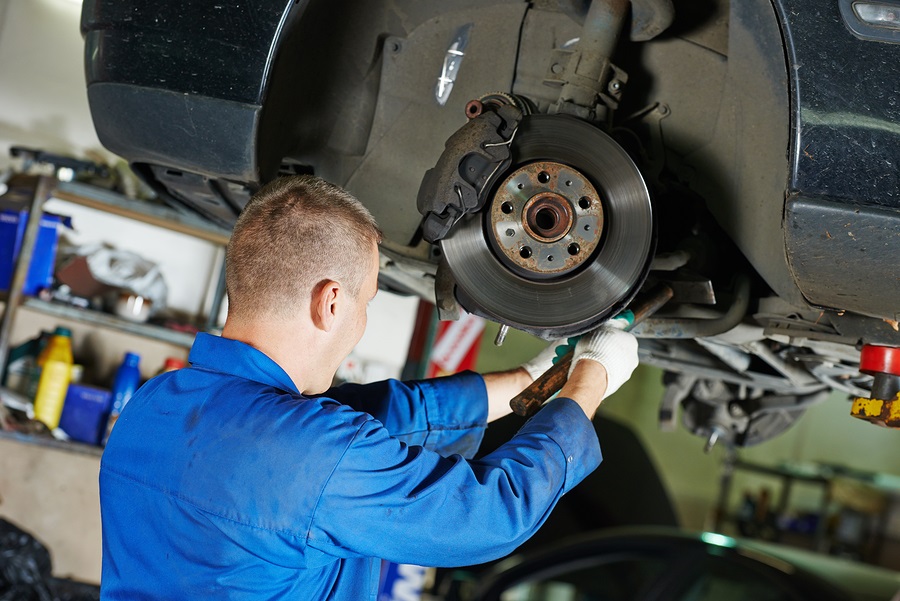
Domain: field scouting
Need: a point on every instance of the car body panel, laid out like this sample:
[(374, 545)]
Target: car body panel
[(842, 228)]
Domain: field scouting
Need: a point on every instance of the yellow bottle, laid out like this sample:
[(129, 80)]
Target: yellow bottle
[(56, 371)]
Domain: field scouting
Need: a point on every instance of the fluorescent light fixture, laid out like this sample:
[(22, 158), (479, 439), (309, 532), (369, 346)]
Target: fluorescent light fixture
[(719, 540)]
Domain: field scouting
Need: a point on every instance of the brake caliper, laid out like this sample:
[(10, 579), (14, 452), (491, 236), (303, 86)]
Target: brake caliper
[(472, 157)]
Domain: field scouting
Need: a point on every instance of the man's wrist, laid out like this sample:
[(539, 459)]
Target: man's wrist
[(501, 387), (586, 386)]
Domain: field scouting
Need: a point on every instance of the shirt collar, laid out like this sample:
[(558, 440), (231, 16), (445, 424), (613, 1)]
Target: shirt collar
[(236, 358)]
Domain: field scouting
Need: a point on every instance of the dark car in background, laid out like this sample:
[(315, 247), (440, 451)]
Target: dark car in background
[(542, 164), (671, 565)]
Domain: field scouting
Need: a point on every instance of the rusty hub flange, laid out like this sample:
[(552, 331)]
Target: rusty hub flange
[(546, 219)]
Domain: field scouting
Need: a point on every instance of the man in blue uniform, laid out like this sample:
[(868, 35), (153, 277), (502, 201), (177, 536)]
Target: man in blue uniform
[(244, 477)]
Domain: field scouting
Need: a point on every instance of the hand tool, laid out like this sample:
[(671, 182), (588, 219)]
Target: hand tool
[(527, 402)]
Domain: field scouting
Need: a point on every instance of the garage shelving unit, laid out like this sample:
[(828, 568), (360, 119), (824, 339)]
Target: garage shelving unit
[(107, 320), (145, 212), (46, 441), (116, 204)]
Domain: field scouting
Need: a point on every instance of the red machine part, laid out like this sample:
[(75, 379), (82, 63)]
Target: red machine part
[(876, 359), (883, 406)]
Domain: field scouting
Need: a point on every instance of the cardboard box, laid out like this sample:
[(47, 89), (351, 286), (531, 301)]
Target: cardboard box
[(85, 412), (12, 231), (76, 274)]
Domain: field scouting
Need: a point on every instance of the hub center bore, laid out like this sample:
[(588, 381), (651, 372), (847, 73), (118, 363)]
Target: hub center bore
[(547, 217)]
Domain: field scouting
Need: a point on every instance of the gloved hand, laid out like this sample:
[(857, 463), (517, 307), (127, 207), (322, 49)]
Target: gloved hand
[(613, 348), (547, 357)]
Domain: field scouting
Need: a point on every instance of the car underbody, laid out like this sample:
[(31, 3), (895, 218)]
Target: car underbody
[(544, 164)]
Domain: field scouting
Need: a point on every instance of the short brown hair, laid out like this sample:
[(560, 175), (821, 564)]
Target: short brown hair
[(294, 233)]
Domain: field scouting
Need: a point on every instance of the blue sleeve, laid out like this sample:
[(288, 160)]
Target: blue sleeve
[(446, 415), (410, 505)]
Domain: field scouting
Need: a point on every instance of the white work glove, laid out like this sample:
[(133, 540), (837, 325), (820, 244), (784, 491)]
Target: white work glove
[(547, 357), (613, 348)]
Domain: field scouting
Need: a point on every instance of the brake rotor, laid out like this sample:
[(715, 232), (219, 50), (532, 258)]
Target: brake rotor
[(566, 237)]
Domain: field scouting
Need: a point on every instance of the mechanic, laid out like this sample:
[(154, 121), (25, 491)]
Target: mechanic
[(237, 478)]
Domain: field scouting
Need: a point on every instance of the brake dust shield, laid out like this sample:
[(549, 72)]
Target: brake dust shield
[(566, 236)]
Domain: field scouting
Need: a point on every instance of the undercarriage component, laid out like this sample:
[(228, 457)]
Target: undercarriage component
[(730, 414), (591, 84), (564, 241), (883, 405), (649, 18), (661, 327)]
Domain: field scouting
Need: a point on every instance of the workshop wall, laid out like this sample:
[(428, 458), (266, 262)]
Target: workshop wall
[(43, 102)]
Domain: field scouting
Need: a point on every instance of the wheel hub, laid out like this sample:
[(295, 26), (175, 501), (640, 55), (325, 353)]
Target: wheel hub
[(546, 219)]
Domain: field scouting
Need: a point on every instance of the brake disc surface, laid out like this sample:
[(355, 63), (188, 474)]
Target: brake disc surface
[(566, 237)]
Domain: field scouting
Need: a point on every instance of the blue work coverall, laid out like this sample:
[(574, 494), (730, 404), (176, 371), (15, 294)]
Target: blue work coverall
[(222, 481)]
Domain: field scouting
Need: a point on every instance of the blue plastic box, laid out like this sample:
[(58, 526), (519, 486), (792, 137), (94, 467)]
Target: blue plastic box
[(12, 230), (85, 412)]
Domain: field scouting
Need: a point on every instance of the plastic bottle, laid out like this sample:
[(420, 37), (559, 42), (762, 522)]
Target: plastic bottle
[(56, 371), (127, 380), (34, 370), (171, 364)]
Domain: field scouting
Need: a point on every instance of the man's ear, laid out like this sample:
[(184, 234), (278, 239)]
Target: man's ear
[(323, 305)]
